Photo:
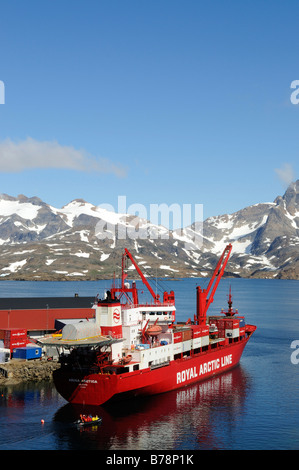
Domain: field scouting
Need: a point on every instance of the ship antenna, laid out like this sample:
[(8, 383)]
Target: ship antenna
[(230, 301)]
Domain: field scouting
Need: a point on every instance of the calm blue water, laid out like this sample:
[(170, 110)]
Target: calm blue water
[(255, 406)]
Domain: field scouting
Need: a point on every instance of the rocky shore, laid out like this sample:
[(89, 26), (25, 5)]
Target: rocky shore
[(17, 371)]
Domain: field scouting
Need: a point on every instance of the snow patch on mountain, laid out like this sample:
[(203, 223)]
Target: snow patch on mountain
[(23, 209), (86, 241)]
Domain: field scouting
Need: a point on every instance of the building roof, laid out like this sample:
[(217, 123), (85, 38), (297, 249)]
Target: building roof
[(32, 303)]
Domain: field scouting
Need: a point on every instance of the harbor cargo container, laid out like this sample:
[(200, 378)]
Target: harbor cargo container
[(177, 337), (196, 342), (27, 352), (178, 348), (13, 337), (186, 345), (232, 333), (186, 334), (205, 340), (242, 331), (12, 333)]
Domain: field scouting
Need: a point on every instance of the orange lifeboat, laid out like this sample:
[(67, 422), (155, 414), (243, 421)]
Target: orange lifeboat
[(154, 330), (125, 360)]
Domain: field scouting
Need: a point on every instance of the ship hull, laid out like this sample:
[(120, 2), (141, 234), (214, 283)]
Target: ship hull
[(96, 389)]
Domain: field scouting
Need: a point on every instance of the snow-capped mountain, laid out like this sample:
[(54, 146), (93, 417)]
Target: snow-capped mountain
[(83, 241)]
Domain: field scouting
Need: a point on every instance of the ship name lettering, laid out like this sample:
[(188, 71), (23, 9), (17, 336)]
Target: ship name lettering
[(204, 368), (226, 360), (209, 366), (186, 374), (85, 381)]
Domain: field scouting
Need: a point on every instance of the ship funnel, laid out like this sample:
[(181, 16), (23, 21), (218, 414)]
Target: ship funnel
[(108, 316), (201, 301)]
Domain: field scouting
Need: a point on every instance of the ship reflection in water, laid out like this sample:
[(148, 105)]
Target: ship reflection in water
[(195, 417)]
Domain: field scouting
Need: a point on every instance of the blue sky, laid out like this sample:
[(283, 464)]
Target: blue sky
[(165, 101)]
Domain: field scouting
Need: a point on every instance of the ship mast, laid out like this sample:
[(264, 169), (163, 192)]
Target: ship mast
[(230, 301)]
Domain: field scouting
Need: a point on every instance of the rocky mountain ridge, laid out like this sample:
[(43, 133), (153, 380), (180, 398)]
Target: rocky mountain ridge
[(83, 241)]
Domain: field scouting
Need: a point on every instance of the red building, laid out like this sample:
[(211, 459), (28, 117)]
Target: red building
[(41, 313)]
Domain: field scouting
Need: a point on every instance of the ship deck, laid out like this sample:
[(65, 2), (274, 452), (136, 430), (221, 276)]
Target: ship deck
[(85, 342)]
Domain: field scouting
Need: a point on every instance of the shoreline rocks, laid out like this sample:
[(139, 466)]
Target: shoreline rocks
[(18, 371)]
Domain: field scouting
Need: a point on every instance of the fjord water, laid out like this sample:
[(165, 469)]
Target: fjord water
[(254, 406)]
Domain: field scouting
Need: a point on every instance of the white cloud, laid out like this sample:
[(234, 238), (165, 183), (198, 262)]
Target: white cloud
[(30, 153), (286, 174)]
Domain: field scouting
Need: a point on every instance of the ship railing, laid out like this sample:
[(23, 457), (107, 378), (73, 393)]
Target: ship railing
[(148, 304), (160, 364), (250, 328)]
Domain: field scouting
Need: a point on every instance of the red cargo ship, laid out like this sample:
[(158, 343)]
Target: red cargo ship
[(135, 349)]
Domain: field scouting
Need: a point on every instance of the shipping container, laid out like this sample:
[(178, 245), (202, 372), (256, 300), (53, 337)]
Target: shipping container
[(27, 352), (196, 343), (228, 323), (12, 332), (199, 331), (221, 324), (15, 344), (205, 340), (205, 330), (177, 337), (232, 333), (13, 337), (221, 333), (178, 348), (186, 334), (186, 345), (196, 334), (196, 331)]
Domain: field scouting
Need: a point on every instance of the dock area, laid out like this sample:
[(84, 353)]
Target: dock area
[(18, 371)]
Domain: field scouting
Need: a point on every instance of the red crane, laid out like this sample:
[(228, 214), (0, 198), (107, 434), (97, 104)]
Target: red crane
[(167, 297), (156, 297), (203, 302)]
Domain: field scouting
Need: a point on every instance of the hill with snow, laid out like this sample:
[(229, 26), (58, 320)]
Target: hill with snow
[(83, 241)]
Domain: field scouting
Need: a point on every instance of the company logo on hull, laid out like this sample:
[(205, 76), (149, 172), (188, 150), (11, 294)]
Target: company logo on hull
[(116, 315)]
